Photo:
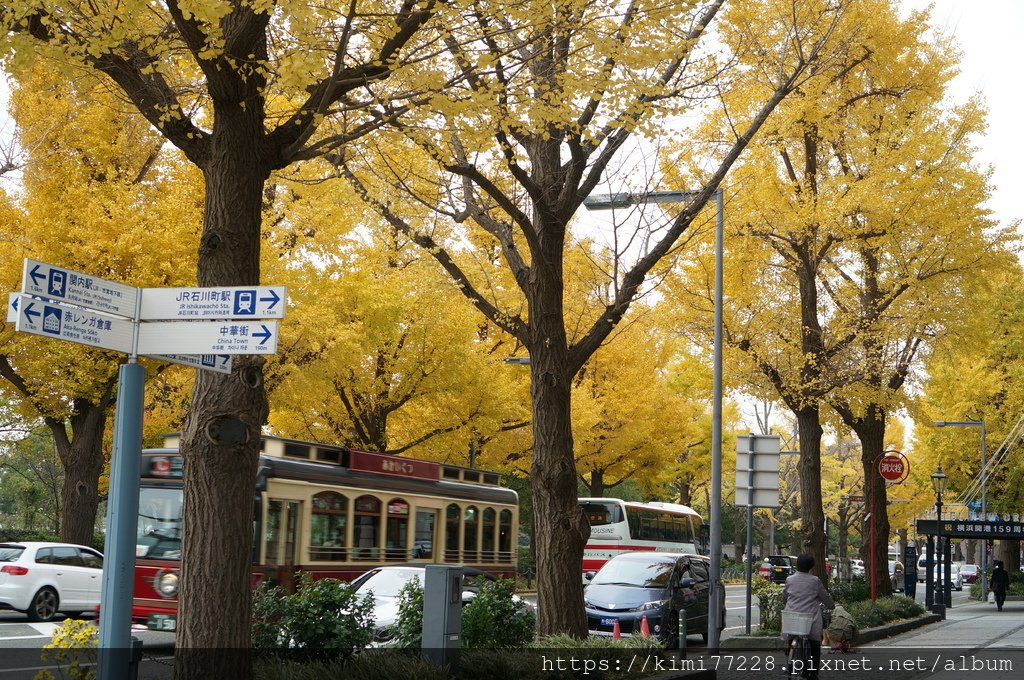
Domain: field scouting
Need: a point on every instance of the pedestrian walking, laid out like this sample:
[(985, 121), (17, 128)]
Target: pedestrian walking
[(999, 583)]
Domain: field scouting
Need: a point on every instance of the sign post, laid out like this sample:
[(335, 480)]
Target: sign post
[(757, 484), (67, 305), (892, 466)]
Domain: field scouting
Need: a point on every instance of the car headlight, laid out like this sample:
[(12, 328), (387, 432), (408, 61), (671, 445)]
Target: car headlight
[(166, 583), (656, 604)]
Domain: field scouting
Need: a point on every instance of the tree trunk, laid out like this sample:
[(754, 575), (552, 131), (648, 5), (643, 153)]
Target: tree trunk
[(82, 459), (562, 528), (843, 535), (870, 430), (812, 517), (220, 439), (596, 485), (684, 489)]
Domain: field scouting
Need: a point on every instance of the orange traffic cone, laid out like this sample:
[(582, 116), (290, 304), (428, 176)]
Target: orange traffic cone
[(644, 628), (616, 633)]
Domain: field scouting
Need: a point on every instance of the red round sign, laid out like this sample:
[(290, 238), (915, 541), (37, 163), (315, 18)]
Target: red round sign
[(893, 468)]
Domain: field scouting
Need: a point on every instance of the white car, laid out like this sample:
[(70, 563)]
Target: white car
[(385, 584), (956, 579), (857, 567), (41, 579)]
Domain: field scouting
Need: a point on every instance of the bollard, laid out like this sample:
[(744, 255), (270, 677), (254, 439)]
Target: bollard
[(682, 633), (136, 658)]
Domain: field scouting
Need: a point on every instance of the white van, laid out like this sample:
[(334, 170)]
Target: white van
[(922, 568)]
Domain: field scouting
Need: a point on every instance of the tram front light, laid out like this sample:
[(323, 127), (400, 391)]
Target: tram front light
[(166, 583)]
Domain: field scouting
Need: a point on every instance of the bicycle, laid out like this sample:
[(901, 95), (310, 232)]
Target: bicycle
[(797, 625)]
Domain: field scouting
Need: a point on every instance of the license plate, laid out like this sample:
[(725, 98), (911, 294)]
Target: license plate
[(162, 622), (608, 622)]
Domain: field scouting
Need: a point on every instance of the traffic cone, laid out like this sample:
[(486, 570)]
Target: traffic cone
[(616, 633), (644, 628)]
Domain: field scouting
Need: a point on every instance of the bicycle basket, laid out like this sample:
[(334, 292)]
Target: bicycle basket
[(796, 623)]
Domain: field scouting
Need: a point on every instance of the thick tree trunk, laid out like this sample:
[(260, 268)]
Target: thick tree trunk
[(684, 489), (220, 439), (596, 485), (812, 517), (870, 430), (82, 459)]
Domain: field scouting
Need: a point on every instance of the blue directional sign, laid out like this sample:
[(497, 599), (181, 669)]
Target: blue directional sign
[(218, 363), (85, 290), (64, 322), (208, 337), (229, 302)]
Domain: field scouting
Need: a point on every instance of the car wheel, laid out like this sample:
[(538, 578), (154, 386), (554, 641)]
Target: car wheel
[(672, 631), (43, 606)]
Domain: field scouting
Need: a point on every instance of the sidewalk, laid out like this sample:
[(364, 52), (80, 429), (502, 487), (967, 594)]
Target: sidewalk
[(977, 625)]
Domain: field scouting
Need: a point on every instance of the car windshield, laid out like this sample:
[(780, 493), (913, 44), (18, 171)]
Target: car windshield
[(159, 526), (10, 553), (389, 582), (970, 568), (633, 571), (778, 561)]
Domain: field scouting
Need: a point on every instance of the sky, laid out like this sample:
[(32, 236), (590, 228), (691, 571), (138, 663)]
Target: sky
[(989, 33)]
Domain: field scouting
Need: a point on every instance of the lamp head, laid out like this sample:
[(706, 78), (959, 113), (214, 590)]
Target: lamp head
[(939, 481)]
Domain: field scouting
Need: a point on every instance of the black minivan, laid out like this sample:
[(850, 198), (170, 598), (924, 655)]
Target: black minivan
[(655, 585)]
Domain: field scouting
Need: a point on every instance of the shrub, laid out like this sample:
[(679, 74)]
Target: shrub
[(495, 619), (73, 643), (324, 618), (848, 592), (868, 614), (409, 626), (769, 599)]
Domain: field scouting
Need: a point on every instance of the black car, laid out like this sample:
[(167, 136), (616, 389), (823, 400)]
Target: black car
[(777, 568), (655, 585)]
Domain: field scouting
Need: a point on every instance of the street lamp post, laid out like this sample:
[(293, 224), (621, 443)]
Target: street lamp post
[(716, 598), (939, 485), (984, 486)]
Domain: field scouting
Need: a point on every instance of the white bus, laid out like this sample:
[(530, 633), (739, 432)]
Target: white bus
[(617, 526)]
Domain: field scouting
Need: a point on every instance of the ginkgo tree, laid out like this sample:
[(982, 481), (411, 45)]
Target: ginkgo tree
[(100, 195), (242, 89), (854, 211), (550, 96)]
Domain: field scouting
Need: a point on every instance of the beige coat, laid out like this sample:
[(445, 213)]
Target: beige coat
[(804, 593)]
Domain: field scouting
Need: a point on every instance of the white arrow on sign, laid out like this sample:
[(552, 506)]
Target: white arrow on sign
[(63, 322), (207, 337), (12, 307), (235, 302), (66, 285), (218, 363)]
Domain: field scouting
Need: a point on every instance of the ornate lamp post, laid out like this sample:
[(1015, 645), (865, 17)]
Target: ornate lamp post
[(939, 485)]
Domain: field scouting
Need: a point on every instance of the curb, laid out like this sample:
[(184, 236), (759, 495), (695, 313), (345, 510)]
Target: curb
[(774, 642)]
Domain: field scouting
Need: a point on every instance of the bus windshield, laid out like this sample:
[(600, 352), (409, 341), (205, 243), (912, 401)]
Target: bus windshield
[(601, 513), (159, 527)]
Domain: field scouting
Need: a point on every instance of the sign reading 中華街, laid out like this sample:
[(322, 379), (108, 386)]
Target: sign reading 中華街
[(66, 285), (207, 337), (238, 302), (64, 322)]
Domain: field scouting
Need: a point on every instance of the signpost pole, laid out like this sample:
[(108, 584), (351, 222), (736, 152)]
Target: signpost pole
[(750, 532), (122, 520)]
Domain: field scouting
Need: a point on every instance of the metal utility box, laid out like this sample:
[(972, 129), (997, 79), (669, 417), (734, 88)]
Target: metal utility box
[(910, 571), (442, 608)]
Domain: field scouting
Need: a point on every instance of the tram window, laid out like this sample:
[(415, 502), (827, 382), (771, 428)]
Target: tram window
[(505, 536), (366, 525), (327, 533), (451, 533), (296, 451), (396, 538), (487, 537), (471, 521)]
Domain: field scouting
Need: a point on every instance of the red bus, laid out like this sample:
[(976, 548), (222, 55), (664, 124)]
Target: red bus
[(331, 512)]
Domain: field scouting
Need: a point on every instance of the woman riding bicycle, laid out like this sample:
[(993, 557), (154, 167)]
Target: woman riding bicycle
[(804, 593)]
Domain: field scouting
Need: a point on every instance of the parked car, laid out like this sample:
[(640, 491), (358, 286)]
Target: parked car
[(970, 572), (655, 585), (857, 568), (896, 575), (42, 579), (956, 579), (777, 568), (385, 583)]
